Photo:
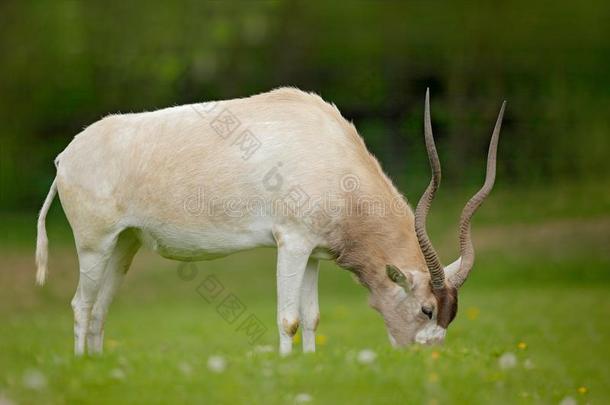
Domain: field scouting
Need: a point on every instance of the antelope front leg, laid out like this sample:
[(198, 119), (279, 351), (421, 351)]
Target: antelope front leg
[(309, 309), (291, 261)]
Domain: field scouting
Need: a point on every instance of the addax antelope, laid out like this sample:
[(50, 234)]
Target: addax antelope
[(281, 169)]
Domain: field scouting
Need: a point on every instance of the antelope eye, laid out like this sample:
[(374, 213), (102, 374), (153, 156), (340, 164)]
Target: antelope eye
[(427, 311)]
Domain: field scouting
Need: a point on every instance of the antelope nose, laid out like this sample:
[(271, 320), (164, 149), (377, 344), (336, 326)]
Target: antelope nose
[(429, 341), (436, 340), (431, 334)]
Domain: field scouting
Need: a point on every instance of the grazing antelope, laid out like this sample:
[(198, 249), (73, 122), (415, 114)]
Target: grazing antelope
[(129, 180)]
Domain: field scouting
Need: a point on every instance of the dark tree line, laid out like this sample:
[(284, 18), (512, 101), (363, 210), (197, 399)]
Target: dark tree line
[(66, 64)]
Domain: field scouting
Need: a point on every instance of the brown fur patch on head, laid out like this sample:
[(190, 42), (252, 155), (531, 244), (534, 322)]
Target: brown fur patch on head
[(446, 299)]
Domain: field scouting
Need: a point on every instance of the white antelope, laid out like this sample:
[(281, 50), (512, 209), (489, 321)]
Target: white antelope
[(281, 169)]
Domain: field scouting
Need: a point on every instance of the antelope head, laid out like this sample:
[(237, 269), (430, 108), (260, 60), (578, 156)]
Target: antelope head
[(420, 305)]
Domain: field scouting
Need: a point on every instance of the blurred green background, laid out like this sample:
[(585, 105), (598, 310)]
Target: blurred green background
[(67, 64), (533, 321)]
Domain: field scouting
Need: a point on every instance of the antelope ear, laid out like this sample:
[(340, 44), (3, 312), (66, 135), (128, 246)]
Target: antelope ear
[(398, 277)]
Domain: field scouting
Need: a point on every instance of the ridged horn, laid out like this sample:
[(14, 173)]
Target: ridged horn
[(437, 274), (458, 277)]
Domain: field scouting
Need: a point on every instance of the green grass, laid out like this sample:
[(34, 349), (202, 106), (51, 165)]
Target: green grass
[(539, 280), (162, 351)]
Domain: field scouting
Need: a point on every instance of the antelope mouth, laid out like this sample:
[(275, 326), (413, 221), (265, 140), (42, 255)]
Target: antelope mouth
[(431, 334)]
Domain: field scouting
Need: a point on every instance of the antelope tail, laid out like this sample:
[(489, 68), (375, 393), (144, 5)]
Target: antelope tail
[(42, 243)]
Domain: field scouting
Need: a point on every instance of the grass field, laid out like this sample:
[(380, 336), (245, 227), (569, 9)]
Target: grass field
[(533, 324)]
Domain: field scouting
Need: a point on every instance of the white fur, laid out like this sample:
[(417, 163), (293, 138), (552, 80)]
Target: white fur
[(151, 176), (293, 252), (393, 341), (176, 182), (452, 268), (309, 310), (431, 334), (42, 243)]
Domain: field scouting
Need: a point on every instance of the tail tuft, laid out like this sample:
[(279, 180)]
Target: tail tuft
[(42, 243)]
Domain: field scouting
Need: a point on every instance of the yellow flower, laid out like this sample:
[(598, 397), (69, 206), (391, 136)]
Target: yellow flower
[(435, 355), (582, 390), (473, 313), (321, 339), (296, 338), (522, 345)]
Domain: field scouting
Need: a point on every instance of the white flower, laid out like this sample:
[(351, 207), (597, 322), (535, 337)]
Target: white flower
[(568, 401), (507, 360), (302, 398), (5, 401), (185, 368), (117, 374), (34, 379), (217, 364), (366, 356)]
